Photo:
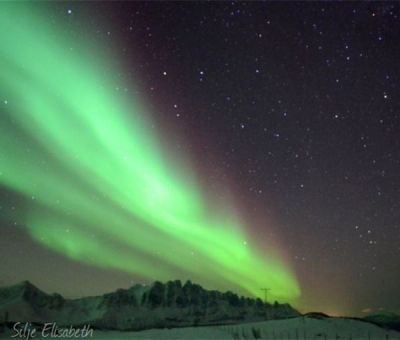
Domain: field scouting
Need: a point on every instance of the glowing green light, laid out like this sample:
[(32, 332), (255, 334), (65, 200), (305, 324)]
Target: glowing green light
[(100, 186)]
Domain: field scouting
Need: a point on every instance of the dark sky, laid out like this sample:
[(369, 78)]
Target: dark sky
[(294, 105)]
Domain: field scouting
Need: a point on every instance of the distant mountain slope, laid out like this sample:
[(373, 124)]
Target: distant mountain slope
[(139, 307), (385, 319)]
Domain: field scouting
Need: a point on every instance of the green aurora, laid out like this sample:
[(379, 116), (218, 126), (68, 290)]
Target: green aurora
[(98, 184)]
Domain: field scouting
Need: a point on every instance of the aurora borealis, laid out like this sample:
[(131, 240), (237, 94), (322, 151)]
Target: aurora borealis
[(98, 185), (241, 145)]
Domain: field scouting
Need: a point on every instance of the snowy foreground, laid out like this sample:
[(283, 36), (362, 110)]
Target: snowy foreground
[(296, 328)]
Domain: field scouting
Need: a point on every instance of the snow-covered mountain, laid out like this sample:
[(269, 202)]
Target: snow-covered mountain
[(139, 307)]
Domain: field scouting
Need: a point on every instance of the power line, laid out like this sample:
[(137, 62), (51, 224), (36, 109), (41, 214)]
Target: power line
[(266, 290)]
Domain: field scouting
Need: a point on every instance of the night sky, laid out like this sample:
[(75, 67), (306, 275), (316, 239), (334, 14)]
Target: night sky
[(290, 112)]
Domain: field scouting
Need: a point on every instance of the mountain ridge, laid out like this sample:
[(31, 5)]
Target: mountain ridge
[(170, 304)]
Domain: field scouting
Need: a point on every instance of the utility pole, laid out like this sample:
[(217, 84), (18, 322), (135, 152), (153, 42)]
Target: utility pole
[(266, 290)]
